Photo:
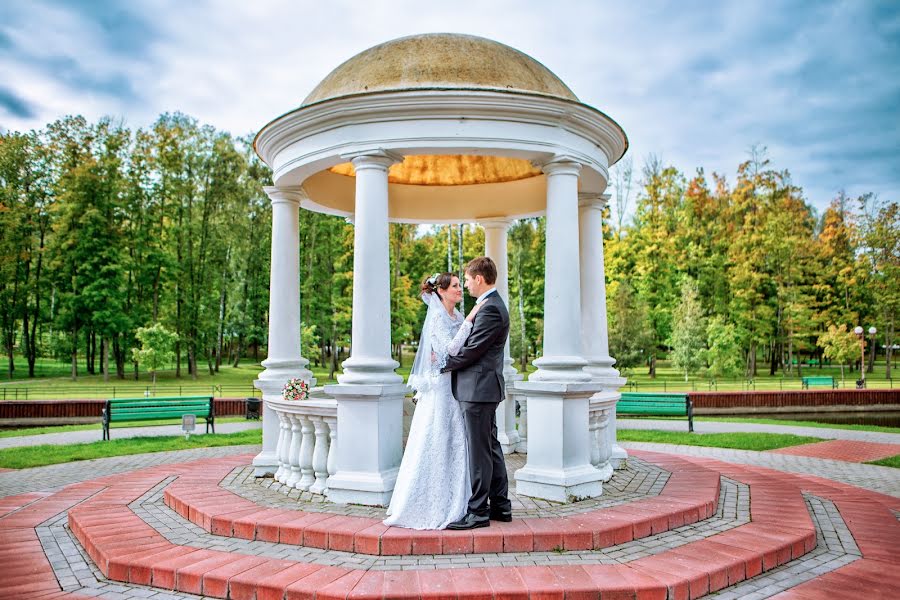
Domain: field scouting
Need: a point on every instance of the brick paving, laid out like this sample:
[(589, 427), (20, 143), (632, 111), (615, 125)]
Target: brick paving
[(845, 450)]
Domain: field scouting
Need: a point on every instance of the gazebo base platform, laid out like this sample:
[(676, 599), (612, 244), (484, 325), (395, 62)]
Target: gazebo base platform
[(666, 527)]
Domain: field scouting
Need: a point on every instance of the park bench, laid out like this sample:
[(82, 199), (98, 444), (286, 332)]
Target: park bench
[(152, 409), (823, 381), (634, 403)]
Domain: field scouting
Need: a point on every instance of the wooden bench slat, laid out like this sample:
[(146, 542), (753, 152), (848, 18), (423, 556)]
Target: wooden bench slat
[(171, 406), (162, 414)]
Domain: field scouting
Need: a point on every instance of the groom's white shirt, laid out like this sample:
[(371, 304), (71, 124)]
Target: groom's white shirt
[(485, 295)]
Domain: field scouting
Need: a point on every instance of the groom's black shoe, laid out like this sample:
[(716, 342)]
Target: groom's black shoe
[(470, 521), (499, 515)]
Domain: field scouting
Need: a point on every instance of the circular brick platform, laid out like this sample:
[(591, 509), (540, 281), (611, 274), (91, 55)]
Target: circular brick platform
[(679, 528)]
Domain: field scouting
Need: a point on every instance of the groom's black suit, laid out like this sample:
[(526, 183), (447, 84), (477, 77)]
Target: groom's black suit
[(479, 387)]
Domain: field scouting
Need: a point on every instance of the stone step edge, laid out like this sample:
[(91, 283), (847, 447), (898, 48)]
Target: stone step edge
[(688, 497), (131, 551)]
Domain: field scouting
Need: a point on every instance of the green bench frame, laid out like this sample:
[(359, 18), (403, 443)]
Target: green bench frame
[(822, 380), (152, 409), (636, 403)]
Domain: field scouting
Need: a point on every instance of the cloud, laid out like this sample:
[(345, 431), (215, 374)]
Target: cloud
[(15, 105), (694, 82)]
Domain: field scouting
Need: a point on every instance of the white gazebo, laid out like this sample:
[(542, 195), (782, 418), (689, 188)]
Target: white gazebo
[(442, 128)]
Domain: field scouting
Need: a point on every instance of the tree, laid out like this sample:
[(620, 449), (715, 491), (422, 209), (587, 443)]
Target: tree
[(688, 331), (157, 348), (839, 345), (724, 354), (629, 328), (880, 224), (651, 242), (309, 339)]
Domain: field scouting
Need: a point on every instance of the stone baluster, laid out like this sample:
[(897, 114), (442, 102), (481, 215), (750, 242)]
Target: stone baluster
[(307, 475), (332, 447), (604, 449), (284, 441), (294, 451), (522, 445), (595, 441), (320, 455)]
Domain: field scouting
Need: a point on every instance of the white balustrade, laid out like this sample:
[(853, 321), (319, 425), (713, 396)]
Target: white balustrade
[(306, 443)]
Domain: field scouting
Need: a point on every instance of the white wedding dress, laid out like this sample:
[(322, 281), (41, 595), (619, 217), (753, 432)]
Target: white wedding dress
[(433, 485)]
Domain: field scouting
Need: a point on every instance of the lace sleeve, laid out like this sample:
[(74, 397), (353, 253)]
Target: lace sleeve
[(446, 340), (459, 339)]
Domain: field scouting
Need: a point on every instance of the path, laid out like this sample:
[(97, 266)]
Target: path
[(96, 435)]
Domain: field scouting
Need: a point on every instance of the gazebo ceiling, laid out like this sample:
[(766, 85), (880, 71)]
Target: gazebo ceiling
[(439, 61), (455, 169)]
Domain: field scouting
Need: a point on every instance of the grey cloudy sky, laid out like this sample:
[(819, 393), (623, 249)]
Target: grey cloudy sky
[(694, 82)]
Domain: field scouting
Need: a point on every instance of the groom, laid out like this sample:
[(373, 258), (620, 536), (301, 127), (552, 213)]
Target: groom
[(479, 387)]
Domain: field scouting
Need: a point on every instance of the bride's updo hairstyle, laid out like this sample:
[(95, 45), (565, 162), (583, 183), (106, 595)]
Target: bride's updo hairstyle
[(433, 284)]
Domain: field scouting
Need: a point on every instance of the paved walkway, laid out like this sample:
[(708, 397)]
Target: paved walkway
[(96, 435), (850, 451), (727, 427)]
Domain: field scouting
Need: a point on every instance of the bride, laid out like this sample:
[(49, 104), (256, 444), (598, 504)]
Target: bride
[(433, 484)]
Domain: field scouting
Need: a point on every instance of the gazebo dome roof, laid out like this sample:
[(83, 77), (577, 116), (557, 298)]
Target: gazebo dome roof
[(443, 61), (469, 124)]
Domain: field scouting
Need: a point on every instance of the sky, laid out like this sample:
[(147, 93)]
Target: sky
[(696, 83)]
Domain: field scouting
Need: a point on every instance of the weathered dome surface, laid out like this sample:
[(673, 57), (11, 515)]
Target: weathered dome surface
[(440, 61)]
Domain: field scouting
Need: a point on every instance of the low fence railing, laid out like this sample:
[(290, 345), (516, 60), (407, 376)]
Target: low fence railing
[(9, 392)]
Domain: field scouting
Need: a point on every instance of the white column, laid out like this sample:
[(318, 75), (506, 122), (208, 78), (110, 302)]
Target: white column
[(370, 351), (369, 393), (559, 466), (284, 360), (562, 360), (495, 247), (595, 339)]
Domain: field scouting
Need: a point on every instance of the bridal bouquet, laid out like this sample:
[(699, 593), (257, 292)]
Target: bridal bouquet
[(295, 389)]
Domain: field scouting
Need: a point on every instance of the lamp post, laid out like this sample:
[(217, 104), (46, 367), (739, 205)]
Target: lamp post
[(860, 333), (872, 332)]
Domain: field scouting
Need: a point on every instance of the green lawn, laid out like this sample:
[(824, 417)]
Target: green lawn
[(238, 382), (891, 461), (38, 456), (35, 456), (739, 441), (228, 382), (96, 426)]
